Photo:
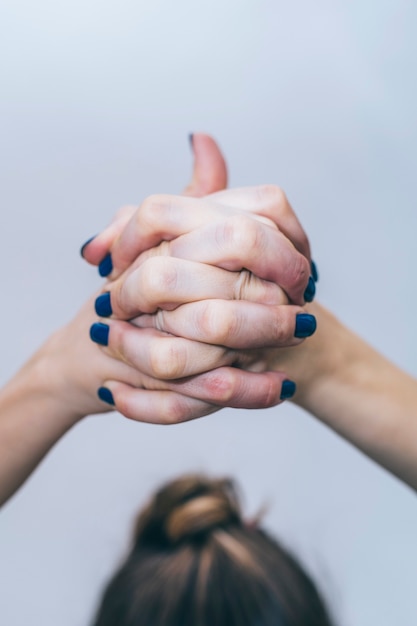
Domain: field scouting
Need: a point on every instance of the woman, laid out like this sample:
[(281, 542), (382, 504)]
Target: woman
[(340, 379), (196, 562), (210, 334), (168, 379)]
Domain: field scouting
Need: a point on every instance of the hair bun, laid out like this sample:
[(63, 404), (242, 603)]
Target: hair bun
[(188, 509)]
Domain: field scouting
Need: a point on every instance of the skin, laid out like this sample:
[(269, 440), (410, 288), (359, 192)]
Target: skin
[(58, 386), (228, 297), (340, 379), (357, 392)]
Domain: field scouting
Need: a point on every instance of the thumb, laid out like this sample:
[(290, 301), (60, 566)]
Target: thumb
[(210, 170)]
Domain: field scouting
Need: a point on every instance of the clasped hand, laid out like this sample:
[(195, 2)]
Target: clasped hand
[(201, 294)]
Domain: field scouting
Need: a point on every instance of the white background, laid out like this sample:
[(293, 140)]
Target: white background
[(97, 99)]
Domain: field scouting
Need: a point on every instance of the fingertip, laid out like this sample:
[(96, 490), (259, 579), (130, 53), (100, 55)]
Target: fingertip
[(305, 325), (99, 333), (105, 395), (310, 291), (95, 249), (84, 246), (210, 170), (106, 266), (288, 389), (103, 306)]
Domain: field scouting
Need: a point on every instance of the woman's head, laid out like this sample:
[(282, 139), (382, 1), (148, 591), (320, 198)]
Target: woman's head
[(195, 562)]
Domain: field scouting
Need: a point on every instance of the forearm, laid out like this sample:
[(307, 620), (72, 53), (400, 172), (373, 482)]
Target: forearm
[(32, 419), (359, 394)]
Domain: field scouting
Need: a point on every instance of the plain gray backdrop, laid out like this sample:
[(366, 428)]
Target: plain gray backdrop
[(97, 100)]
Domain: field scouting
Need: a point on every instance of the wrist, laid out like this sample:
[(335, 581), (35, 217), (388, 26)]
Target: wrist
[(39, 384), (70, 367), (331, 357), (320, 358)]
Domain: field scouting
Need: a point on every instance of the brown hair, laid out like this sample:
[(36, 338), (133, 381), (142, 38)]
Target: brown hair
[(194, 562)]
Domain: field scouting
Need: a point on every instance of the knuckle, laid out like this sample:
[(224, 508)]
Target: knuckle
[(158, 277), (277, 206), (165, 275), (219, 323), (125, 211), (273, 194), (224, 233), (205, 322), (167, 359), (299, 271), (240, 232), (152, 209), (173, 410), (222, 386), (227, 326), (249, 235)]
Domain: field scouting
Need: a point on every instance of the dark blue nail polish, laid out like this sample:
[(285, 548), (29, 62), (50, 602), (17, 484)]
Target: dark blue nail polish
[(305, 325), (99, 333), (288, 389), (191, 140), (106, 266), (105, 395), (86, 244), (102, 305), (310, 292), (314, 271)]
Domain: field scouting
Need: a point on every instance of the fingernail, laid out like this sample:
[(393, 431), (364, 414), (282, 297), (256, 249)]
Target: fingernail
[(86, 244), (99, 333), (105, 395), (102, 305), (310, 291), (305, 325), (106, 266), (314, 271), (288, 389), (191, 140)]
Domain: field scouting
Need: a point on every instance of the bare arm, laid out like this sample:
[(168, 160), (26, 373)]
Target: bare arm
[(340, 379), (59, 384), (357, 392)]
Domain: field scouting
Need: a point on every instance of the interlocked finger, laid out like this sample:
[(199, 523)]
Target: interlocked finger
[(194, 397), (162, 282), (158, 354), (237, 325), (163, 218), (241, 242), (268, 201)]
